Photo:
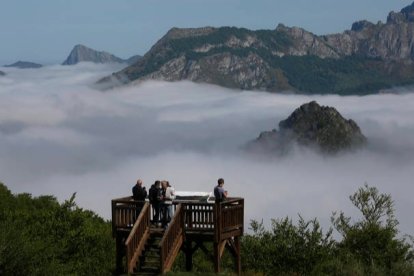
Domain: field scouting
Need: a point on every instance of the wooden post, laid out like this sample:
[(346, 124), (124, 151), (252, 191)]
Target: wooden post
[(216, 248), (113, 205), (217, 236), (188, 255), (119, 254), (217, 222), (238, 255)]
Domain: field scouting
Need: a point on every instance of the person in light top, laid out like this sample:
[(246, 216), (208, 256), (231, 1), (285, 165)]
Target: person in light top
[(169, 196)]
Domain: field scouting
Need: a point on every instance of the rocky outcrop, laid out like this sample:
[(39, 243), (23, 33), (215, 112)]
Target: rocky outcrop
[(306, 43), (315, 126), (223, 69), (365, 59), (2, 73), (82, 53), (24, 65)]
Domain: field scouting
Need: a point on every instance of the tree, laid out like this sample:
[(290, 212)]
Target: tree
[(373, 240), (287, 248), (40, 236)]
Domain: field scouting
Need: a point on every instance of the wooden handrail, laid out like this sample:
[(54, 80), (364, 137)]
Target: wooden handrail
[(124, 213), (171, 241), (137, 238), (228, 219), (232, 215), (123, 198)]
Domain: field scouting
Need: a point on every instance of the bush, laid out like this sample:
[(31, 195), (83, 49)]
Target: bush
[(39, 236)]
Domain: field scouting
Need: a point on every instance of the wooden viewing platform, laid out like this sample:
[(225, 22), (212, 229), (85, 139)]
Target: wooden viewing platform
[(143, 248)]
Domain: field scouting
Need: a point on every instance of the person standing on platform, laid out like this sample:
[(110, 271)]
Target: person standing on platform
[(169, 196), (219, 193), (138, 191), (156, 197), (139, 194)]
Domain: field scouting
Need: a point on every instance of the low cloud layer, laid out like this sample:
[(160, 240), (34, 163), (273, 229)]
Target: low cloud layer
[(58, 135)]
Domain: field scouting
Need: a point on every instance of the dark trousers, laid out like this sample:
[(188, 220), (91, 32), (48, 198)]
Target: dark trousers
[(157, 208), (166, 214)]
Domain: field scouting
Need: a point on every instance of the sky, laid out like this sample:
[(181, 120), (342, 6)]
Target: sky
[(59, 135), (45, 31)]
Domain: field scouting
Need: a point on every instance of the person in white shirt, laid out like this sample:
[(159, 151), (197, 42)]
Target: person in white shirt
[(169, 196)]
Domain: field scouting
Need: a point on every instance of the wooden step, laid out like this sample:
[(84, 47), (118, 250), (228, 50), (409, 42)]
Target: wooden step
[(150, 262), (150, 269)]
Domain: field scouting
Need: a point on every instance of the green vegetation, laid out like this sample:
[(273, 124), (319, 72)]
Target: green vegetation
[(369, 246), (39, 236), (373, 240), (345, 76)]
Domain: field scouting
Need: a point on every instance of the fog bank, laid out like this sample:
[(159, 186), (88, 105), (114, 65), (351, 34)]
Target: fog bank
[(58, 135)]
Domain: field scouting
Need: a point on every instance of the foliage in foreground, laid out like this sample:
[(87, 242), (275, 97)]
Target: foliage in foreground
[(369, 246), (39, 236)]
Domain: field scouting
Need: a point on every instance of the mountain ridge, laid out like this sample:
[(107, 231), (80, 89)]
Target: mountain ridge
[(25, 65), (365, 59), (82, 53)]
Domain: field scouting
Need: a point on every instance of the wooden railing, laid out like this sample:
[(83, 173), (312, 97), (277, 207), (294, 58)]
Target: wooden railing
[(137, 238), (199, 217), (172, 240), (229, 218), (125, 211)]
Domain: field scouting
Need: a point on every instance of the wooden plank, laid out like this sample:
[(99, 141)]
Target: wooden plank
[(230, 234), (174, 254), (232, 247), (222, 246), (138, 251)]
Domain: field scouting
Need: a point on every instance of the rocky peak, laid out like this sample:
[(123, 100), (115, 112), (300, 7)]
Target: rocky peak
[(405, 15), (82, 53), (361, 25), (408, 12), (395, 18), (322, 127)]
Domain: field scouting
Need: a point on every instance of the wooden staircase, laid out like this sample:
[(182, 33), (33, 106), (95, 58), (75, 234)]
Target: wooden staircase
[(151, 250), (150, 261)]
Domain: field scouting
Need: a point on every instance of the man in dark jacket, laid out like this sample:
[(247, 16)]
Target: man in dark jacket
[(139, 192), (155, 197)]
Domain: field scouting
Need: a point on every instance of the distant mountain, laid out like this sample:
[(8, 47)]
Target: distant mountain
[(366, 59), (321, 127), (81, 53), (2, 73), (24, 65)]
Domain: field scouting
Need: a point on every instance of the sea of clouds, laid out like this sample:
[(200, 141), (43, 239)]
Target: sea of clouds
[(60, 135)]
